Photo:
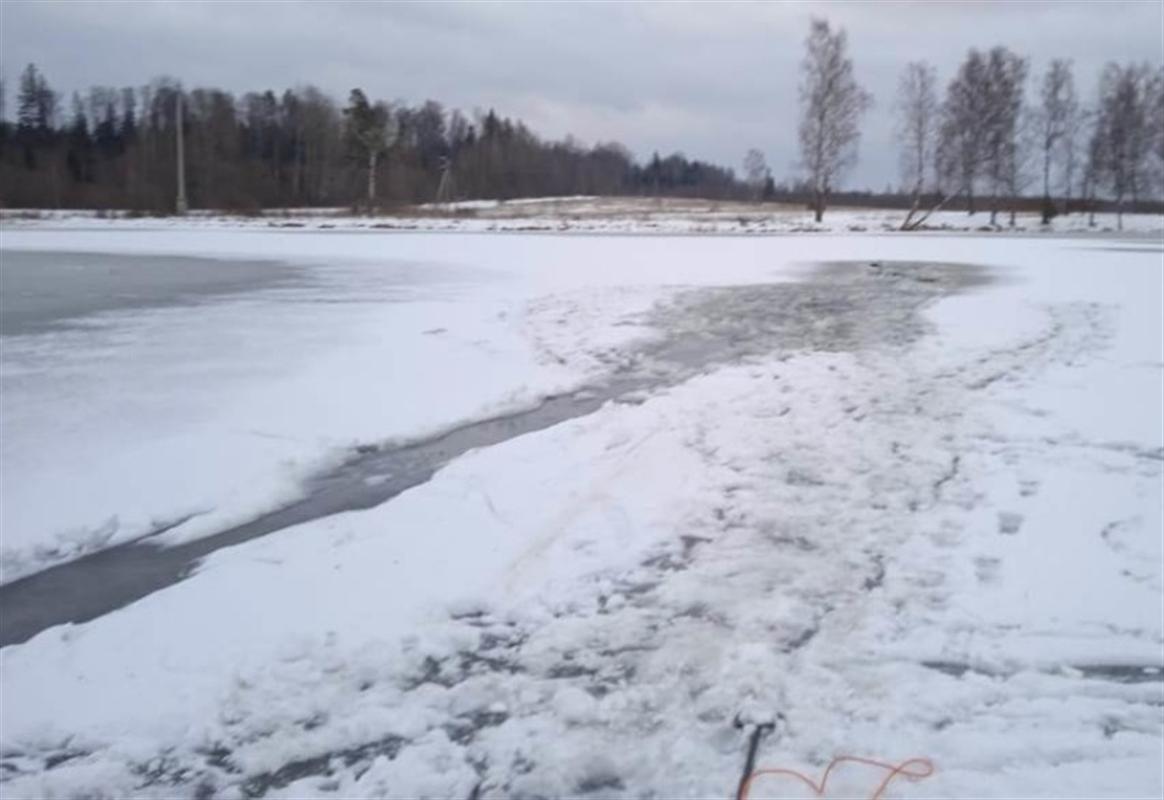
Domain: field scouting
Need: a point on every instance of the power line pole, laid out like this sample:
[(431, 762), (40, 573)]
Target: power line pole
[(445, 189), (180, 204)]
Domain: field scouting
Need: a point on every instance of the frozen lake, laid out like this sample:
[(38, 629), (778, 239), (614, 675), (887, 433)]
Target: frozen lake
[(841, 307), (839, 508), (166, 388), (44, 290)]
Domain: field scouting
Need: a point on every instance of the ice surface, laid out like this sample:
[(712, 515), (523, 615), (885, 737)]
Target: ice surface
[(810, 536)]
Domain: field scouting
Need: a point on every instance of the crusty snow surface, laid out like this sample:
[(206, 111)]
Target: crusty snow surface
[(943, 543)]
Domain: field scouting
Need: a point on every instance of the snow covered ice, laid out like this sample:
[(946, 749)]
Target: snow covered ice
[(914, 509)]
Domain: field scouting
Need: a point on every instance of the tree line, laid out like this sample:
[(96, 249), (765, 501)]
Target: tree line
[(114, 148), (982, 142)]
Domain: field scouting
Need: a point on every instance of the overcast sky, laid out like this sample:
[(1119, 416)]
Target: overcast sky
[(710, 79)]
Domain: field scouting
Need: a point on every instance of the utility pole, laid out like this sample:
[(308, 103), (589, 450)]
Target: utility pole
[(445, 189), (180, 204)]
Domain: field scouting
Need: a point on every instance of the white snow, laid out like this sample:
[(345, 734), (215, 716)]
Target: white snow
[(219, 410), (626, 215), (949, 549)]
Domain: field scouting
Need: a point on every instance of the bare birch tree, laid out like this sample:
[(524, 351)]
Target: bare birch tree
[(917, 105), (1122, 131), (963, 130), (1056, 123), (1155, 101), (1006, 75), (1094, 167), (1019, 158), (371, 130), (1074, 141), (755, 171), (831, 105)]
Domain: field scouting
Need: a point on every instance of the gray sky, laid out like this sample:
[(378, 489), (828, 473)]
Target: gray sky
[(709, 79)]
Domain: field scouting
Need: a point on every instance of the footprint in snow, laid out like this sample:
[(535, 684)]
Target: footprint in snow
[(1009, 522)]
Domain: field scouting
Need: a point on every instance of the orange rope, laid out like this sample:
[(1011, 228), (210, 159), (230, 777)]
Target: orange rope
[(914, 769)]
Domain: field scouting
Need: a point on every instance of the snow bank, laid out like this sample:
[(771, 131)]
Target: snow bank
[(602, 215)]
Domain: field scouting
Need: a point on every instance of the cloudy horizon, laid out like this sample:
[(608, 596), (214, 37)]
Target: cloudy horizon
[(708, 80)]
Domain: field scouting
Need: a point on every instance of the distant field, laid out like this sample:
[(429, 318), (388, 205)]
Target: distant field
[(601, 215)]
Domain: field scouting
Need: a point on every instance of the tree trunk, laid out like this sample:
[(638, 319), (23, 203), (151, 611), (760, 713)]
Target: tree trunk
[(1048, 209), (56, 183), (908, 223), (372, 157), (818, 205), (298, 149), (1047, 175), (970, 200), (913, 224)]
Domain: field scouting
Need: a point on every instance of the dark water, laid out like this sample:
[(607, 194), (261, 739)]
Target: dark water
[(43, 291), (843, 307)]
